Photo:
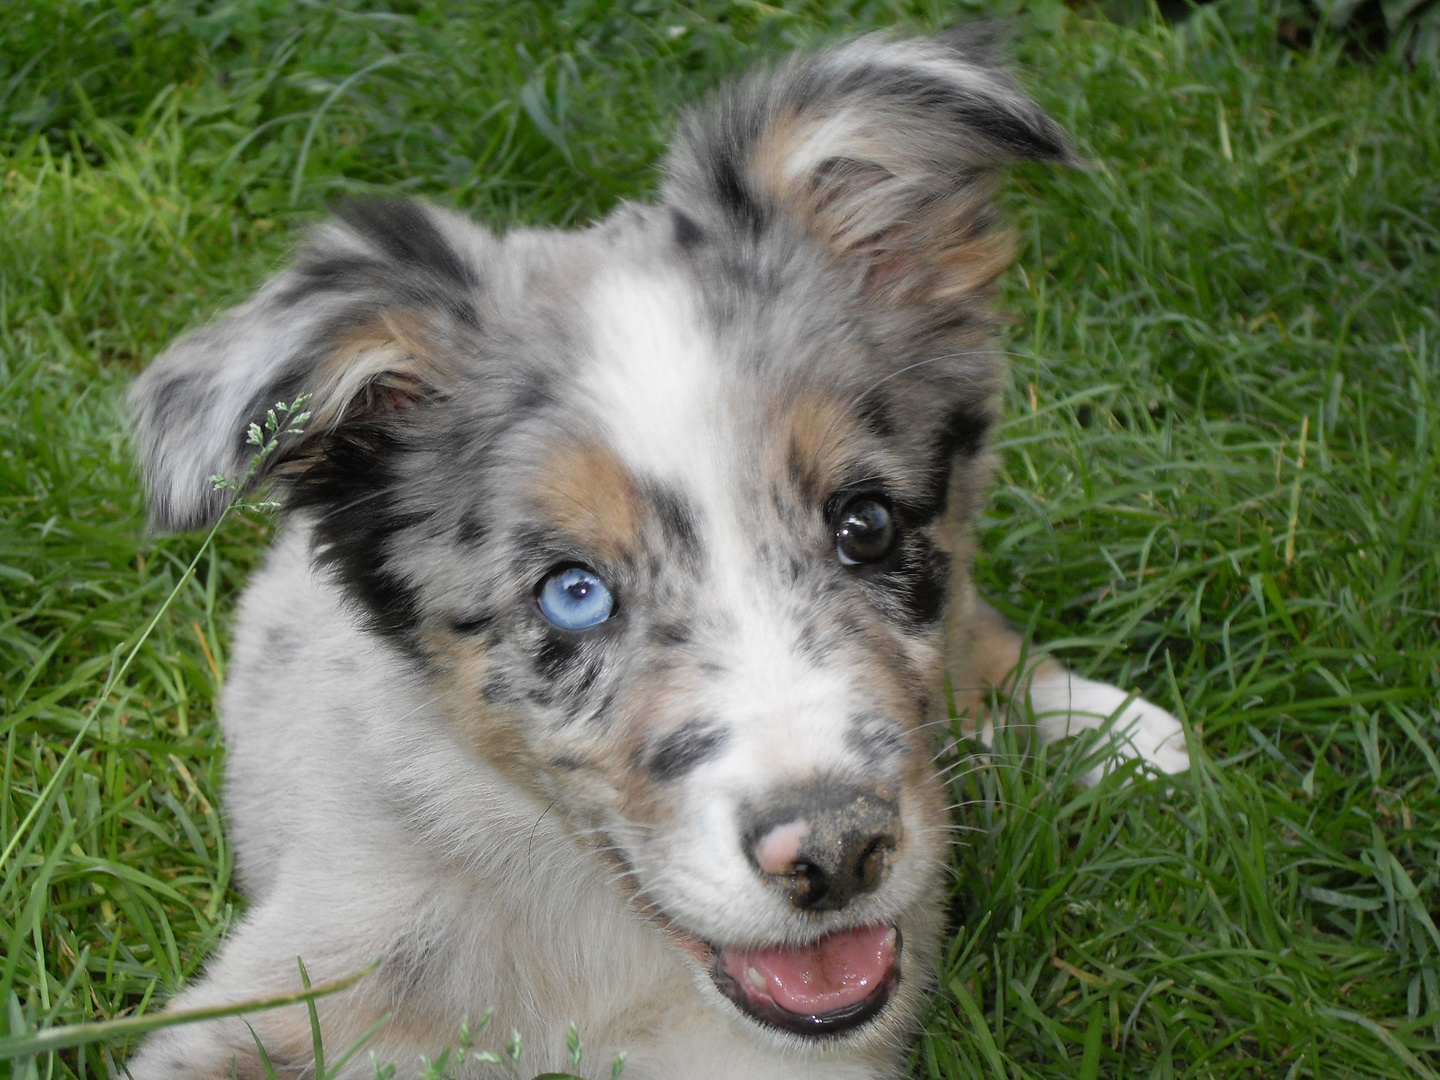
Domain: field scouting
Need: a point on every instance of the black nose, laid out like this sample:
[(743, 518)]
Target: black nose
[(826, 846)]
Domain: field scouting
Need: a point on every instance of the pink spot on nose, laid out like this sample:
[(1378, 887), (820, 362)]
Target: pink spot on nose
[(776, 851)]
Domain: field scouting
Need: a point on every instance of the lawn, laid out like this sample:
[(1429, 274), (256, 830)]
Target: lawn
[(1218, 467)]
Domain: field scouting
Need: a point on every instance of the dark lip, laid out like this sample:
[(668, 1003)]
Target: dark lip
[(819, 1026)]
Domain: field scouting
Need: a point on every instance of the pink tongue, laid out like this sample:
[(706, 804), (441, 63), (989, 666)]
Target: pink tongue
[(836, 971)]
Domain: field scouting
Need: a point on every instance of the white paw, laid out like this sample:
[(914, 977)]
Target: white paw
[(1066, 704)]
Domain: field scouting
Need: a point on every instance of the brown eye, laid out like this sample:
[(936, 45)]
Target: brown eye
[(865, 533)]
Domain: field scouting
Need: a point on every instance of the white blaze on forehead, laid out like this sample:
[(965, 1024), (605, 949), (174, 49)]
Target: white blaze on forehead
[(655, 382), (658, 385)]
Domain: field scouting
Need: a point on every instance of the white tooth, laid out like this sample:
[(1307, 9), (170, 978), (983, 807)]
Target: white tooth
[(891, 936), (757, 980)]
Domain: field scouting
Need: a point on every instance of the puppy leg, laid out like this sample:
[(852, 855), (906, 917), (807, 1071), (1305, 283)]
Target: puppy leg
[(1063, 703), (259, 961)]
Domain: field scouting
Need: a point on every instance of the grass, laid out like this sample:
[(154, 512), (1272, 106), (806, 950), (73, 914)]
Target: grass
[(1224, 436)]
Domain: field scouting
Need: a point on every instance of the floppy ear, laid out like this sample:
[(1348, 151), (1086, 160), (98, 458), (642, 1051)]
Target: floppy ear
[(878, 149), (358, 324)]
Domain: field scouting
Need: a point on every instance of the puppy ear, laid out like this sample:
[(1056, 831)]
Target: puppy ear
[(880, 150), (357, 325)]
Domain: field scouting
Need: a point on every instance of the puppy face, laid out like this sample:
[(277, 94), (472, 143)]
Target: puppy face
[(672, 511)]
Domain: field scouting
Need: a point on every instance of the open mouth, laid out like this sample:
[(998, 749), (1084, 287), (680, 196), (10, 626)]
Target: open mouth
[(827, 987)]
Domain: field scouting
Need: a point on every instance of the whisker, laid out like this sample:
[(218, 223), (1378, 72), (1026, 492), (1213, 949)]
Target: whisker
[(987, 351)]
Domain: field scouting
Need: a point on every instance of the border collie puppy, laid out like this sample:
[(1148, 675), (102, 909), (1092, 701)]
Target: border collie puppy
[(598, 674)]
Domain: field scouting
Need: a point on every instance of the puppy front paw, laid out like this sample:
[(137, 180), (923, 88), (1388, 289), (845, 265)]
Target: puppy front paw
[(1067, 704)]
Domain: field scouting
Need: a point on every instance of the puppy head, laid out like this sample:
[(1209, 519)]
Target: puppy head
[(672, 510)]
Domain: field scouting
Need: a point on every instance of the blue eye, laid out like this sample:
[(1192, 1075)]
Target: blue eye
[(575, 599)]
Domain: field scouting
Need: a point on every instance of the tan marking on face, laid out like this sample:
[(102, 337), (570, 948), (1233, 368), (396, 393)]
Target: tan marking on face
[(823, 435), (493, 733), (585, 490)]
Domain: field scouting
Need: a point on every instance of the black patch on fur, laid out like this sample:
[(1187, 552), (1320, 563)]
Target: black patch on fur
[(875, 739), (557, 652), (475, 624), (732, 192), (669, 634), (601, 714), (414, 268), (875, 415), (356, 492), (407, 234), (280, 639), (1027, 141), (286, 387), (472, 529), (589, 676), (544, 695), (374, 287), (811, 645), (409, 964), (498, 686), (689, 745), (1028, 137), (920, 582), (676, 517), (800, 477), (332, 273), (176, 394), (688, 234), (533, 393), (965, 431)]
